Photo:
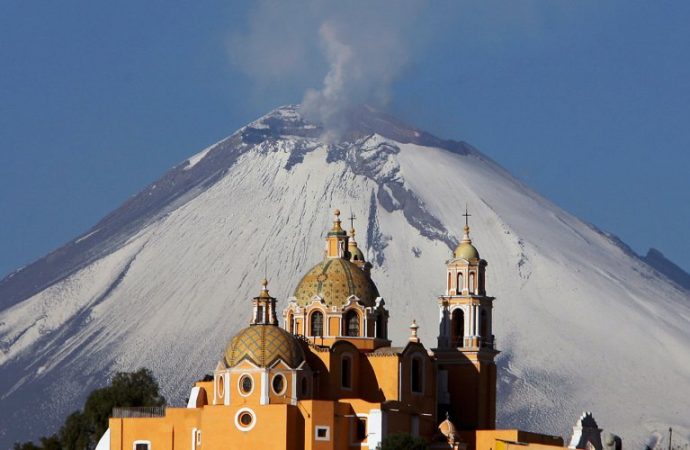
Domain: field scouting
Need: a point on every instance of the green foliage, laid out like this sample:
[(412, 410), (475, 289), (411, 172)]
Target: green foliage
[(83, 429), (402, 441)]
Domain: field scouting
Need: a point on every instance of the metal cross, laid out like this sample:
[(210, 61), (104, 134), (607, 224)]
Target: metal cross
[(352, 220), (467, 216)]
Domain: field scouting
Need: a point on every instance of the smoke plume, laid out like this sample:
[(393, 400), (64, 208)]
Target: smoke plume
[(330, 55)]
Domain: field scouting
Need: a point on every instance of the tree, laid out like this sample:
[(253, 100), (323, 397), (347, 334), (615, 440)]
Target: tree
[(401, 441), (83, 429)]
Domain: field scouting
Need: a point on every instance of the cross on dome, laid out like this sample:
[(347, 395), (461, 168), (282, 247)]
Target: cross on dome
[(465, 249), (467, 216), (352, 224)]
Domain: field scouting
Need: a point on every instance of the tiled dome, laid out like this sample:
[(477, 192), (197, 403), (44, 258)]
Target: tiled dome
[(335, 280), (263, 345)]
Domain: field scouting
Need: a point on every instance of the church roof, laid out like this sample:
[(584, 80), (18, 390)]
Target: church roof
[(335, 280), (263, 345)]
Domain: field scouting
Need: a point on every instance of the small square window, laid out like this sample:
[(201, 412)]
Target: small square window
[(322, 433), (142, 445), (360, 429)]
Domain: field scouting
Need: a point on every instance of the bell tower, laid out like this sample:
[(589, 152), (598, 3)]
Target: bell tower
[(466, 345)]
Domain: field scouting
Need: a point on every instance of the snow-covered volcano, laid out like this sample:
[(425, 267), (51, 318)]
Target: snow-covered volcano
[(165, 280)]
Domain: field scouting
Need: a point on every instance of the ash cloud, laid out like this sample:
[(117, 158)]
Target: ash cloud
[(334, 55)]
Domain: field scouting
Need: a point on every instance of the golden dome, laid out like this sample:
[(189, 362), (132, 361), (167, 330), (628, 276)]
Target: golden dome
[(263, 345), (335, 280), (465, 249)]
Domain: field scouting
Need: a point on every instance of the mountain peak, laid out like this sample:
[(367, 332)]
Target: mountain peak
[(357, 122)]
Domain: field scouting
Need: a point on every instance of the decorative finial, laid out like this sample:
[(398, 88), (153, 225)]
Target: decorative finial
[(466, 236), (413, 331), (352, 224), (467, 216), (264, 289), (336, 222)]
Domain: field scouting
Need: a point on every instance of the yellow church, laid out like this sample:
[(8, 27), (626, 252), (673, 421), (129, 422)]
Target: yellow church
[(330, 378)]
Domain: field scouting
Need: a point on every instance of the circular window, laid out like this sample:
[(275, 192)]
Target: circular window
[(244, 419), (279, 384), (246, 384), (221, 386)]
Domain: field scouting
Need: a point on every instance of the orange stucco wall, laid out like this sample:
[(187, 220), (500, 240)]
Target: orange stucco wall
[(502, 440)]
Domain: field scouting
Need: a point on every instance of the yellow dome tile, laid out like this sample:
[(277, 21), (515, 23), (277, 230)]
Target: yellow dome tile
[(263, 345), (335, 280)]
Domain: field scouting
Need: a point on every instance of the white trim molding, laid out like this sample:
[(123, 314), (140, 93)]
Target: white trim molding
[(237, 419)]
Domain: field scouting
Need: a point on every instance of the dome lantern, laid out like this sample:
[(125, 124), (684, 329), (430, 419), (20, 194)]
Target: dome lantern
[(337, 240), (264, 307)]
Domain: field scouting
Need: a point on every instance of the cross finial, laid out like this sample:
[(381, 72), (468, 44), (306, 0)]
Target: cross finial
[(352, 220), (467, 216)]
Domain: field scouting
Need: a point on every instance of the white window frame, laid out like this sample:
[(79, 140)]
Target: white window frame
[(139, 442), (322, 427), (245, 427), (239, 384), (285, 384), (220, 386)]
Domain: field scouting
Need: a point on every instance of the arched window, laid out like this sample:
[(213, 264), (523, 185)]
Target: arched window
[(457, 327), (346, 372), (416, 375), (484, 327), (458, 289), (381, 327), (290, 323), (351, 326), (482, 289), (471, 286), (316, 323)]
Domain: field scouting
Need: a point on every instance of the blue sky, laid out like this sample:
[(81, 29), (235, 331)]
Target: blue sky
[(587, 102)]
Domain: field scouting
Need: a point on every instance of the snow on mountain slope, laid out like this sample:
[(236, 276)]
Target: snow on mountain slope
[(165, 280)]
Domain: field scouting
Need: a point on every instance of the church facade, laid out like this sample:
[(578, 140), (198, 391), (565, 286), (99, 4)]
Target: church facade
[(329, 377)]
